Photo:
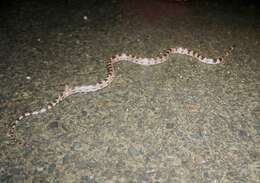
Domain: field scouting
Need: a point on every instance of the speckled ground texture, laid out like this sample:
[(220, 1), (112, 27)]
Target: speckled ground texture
[(180, 121)]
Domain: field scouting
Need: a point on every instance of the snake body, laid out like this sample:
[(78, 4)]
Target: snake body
[(162, 57)]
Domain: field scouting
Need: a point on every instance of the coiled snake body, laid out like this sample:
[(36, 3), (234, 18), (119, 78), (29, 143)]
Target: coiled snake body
[(162, 57)]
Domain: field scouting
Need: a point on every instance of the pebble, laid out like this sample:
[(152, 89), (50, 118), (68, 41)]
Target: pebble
[(53, 125), (76, 146)]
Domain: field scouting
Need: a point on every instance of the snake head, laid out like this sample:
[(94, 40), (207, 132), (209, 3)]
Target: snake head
[(67, 92)]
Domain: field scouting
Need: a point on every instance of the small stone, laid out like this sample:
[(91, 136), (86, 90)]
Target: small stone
[(53, 125), (84, 113), (76, 146), (5, 178), (169, 125), (51, 168), (88, 179), (86, 164), (39, 169), (243, 134), (66, 159), (174, 160), (133, 151)]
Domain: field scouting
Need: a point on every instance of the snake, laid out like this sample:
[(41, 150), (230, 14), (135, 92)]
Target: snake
[(68, 91)]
